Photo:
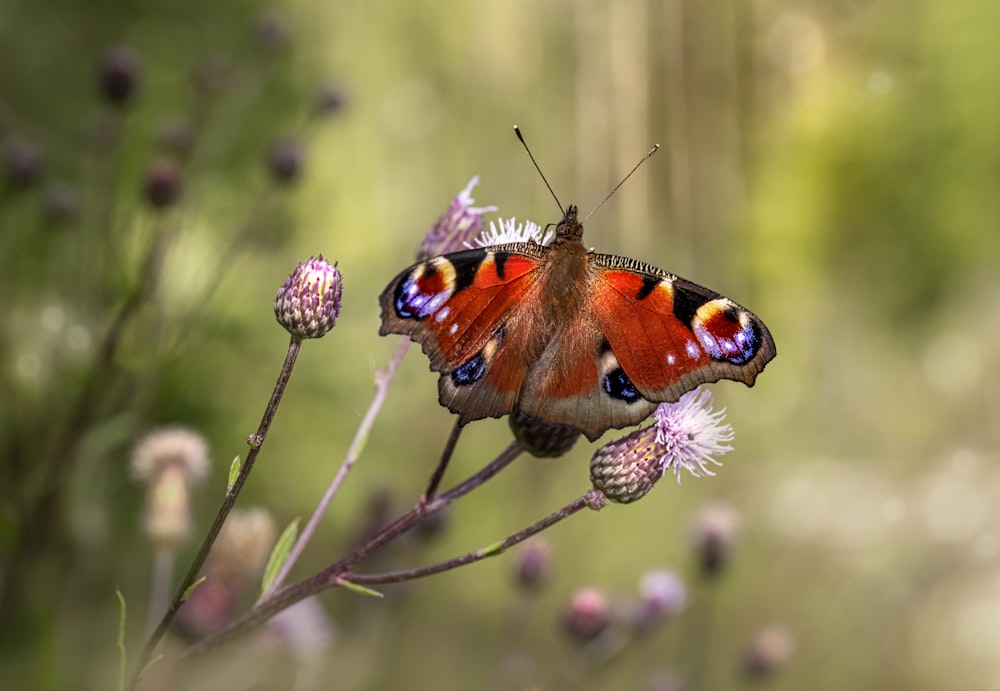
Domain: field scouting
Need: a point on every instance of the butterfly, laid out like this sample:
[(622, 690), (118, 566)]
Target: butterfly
[(566, 335)]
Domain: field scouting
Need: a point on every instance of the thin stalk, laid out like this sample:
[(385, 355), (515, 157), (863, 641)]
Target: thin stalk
[(587, 500), (256, 442), (331, 576), (382, 381)]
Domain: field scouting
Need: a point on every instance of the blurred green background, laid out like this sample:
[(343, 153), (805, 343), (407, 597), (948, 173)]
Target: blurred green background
[(834, 166)]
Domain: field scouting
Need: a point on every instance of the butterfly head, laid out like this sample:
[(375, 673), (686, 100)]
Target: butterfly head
[(569, 228)]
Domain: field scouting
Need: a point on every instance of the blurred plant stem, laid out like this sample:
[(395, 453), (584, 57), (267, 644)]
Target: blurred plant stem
[(256, 442), (42, 512), (382, 381)]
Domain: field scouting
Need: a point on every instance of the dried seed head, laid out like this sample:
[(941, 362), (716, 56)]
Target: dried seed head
[(170, 461), (308, 303), (170, 447)]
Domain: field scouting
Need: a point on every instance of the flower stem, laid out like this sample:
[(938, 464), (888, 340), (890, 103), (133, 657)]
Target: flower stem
[(332, 575), (477, 555), (382, 381), (256, 441), (438, 475)]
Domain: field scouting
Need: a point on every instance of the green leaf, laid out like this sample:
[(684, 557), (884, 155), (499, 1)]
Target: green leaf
[(493, 549), (360, 589), (187, 593), (279, 555), (234, 472), (121, 640)]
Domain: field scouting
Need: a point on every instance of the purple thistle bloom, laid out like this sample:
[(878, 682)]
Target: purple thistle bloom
[(691, 434), (460, 224), (308, 303), (686, 436)]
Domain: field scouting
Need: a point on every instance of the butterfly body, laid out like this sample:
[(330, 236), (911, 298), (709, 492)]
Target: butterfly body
[(566, 335)]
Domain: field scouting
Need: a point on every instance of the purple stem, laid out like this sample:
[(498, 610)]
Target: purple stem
[(382, 381)]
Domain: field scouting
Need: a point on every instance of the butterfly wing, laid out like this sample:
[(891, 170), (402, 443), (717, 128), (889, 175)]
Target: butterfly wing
[(668, 335), (461, 308), (642, 336)]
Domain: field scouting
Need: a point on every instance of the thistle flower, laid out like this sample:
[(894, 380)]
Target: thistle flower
[(308, 303), (509, 230), (456, 226), (685, 436), (170, 461), (661, 595)]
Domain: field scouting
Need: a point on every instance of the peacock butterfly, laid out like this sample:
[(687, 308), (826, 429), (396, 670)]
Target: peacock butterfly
[(563, 334)]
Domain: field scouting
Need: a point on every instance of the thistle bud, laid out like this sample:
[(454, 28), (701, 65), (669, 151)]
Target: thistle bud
[(330, 99), (589, 615), (713, 535), (459, 224), (285, 159), (308, 303), (23, 163), (540, 438), (534, 562), (119, 75), (163, 185), (626, 469)]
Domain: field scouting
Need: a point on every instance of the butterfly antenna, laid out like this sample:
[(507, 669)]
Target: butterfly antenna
[(634, 168), (517, 131)]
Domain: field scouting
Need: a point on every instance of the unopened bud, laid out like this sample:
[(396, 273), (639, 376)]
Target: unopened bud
[(589, 615), (540, 438), (308, 303), (119, 75)]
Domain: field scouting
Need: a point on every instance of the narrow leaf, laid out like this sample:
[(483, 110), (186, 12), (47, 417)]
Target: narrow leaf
[(359, 589), (234, 472), (492, 550), (279, 555), (187, 593)]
